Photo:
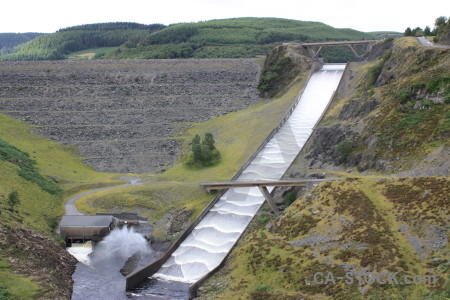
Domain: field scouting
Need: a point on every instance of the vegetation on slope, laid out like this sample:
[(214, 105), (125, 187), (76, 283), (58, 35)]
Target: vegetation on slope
[(395, 111), (354, 225), (228, 38), (27, 169), (281, 66), (32, 264), (239, 37), (8, 41), (57, 45)]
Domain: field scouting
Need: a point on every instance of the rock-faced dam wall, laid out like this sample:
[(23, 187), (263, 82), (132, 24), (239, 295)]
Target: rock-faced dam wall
[(123, 115)]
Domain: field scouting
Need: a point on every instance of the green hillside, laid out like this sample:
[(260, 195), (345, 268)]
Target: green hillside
[(228, 38), (32, 264), (8, 40), (57, 45), (232, 38)]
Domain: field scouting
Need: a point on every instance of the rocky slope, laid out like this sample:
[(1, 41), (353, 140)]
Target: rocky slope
[(393, 112), (123, 116), (38, 257)]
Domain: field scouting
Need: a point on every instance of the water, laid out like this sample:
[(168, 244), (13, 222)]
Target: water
[(210, 241), (81, 252), (97, 275)]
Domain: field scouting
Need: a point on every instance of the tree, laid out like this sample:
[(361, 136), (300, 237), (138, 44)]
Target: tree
[(204, 153), (408, 32), (427, 31), (13, 199), (417, 31), (440, 22), (209, 141)]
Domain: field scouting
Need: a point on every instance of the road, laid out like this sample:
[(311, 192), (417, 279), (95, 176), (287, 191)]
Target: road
[(71, 209), (425, 42)]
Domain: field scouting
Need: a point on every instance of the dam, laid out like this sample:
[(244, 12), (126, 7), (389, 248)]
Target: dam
[(211, 240)]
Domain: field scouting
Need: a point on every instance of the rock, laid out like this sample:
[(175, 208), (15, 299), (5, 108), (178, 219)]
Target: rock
[(46, 261)]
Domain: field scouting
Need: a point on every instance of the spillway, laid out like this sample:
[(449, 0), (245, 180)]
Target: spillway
[(211, 240)]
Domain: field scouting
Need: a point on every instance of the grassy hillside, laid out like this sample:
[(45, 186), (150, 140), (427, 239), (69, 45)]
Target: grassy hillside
[(228, 38), (32, 264), (239, 37), (57, 45), (359, 224)]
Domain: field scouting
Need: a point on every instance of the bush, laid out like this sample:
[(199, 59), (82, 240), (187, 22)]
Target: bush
[(343, 150), (263, 287), (13, 199), (263, 219), (26, 167), (375, 70), (405, 95), (4, 294), (289, 198)]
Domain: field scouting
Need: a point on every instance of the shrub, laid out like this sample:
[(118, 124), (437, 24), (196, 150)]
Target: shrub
[(289, 198), (27, 169), (263, 219), (374, 72), (343, 150), (263, 287), (13, 199), (4, 294), (405, 95)]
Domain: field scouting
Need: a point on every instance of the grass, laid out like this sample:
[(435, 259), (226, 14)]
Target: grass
[(17, 286), (150, 201), (90, 53), (52, 159), (264, 259), (38, 208)]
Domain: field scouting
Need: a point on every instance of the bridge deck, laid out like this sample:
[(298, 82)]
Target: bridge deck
[(209, 186), (340, 43)]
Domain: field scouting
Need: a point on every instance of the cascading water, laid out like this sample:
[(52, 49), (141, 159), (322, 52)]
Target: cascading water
[(98, 275), (81, 252), (218, 231)]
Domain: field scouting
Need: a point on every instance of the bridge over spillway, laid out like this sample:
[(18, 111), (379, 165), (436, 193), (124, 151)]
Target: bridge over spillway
[(309, 47)]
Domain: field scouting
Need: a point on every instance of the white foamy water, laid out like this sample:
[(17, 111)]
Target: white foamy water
[(81, 252), (99, 276), (207, 245), (121, 243)]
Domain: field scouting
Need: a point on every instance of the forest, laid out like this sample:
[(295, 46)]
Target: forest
[(9, 40), (57, 45), (236, 38), (228, 38)]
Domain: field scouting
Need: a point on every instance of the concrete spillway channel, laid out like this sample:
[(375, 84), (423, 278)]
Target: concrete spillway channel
[(216, 233)]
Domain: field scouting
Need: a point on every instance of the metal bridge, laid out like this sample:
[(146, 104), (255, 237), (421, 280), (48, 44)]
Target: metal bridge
[(313, 54)]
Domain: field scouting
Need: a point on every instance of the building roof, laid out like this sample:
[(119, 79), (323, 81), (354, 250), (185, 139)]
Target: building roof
[(86, 221)]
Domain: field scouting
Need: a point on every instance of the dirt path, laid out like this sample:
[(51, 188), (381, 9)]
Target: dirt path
[(71, 209)]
